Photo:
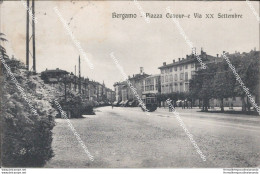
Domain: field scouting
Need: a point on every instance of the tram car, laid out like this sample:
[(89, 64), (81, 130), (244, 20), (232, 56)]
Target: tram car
[(150, 101)]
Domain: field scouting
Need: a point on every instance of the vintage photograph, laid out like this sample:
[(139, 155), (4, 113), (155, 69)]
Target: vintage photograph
[(130, 84)]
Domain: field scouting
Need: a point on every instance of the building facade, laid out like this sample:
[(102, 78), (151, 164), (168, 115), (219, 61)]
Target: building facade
[(152, 84), (176, 75)]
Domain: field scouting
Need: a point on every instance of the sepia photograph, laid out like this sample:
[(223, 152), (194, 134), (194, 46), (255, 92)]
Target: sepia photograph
[(129, 85)]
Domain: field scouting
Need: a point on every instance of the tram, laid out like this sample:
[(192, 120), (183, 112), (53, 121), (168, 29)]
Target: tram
[(150, 102)]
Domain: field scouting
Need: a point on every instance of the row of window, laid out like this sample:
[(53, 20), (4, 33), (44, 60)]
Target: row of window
[(169, 78), (150, 81), (174, 87), (167, 70), (150, 88)]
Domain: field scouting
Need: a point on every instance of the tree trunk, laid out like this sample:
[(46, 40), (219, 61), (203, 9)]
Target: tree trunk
[(222, 104), (243, 104), (207, 104), (248, 103)]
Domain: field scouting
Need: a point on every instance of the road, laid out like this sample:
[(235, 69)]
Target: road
[(127, 137)]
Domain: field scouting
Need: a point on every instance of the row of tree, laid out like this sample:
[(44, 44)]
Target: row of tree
[(219, 81)]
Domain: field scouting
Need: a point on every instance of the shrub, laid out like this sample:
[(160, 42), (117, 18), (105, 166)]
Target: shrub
[(26, 137)]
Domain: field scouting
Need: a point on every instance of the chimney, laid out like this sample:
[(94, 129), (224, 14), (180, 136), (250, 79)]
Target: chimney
[(187, 56), (164, 63), (182, 59), (142, 70), (217, 55), (193, 50), (224, 52), (179, 59), (173, 61)]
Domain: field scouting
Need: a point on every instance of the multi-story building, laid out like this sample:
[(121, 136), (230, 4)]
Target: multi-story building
[(152, 84), (124, 93), (92, 91), (176, 75), (137, 82), (89, 90), (118, 92)]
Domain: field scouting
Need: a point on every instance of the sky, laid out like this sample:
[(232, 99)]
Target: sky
[(134, 42)]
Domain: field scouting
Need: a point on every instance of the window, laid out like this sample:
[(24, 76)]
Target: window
[(166, 78), (162, 71), (234, 98), (186, 66), (181, 76), (186, 87), (181, 87), (176, 77), (171, 87), (192, 65), (175, 68), (170, 78), (186, 76), (167, 70), (170, 69), (162, 78), (176, 87), (180, 67)]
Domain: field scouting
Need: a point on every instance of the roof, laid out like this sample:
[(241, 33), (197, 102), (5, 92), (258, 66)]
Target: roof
[(139, 76), (190, 59), (55, 71)]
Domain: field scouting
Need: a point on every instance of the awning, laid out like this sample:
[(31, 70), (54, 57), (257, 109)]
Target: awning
[(122, 102), (131, 102), (115, 102)]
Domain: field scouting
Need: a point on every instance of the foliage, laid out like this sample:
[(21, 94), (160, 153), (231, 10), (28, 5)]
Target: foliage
[(26, 137), (218, 80)]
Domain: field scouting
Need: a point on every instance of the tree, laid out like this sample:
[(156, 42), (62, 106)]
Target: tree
[(224, 83), (202, 85)]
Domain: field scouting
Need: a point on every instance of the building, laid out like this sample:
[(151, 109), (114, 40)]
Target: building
[(176, 75), (89, 90), (53, 77), (118, 92), (137, 82), (124, 94), (152, 84)]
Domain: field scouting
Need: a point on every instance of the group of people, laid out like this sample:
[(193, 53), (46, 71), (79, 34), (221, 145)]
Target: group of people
[(184, 104)]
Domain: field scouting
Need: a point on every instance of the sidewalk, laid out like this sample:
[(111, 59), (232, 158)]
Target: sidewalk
[(195, 113)]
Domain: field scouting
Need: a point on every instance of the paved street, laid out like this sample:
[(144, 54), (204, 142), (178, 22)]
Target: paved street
[(127, 137)]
